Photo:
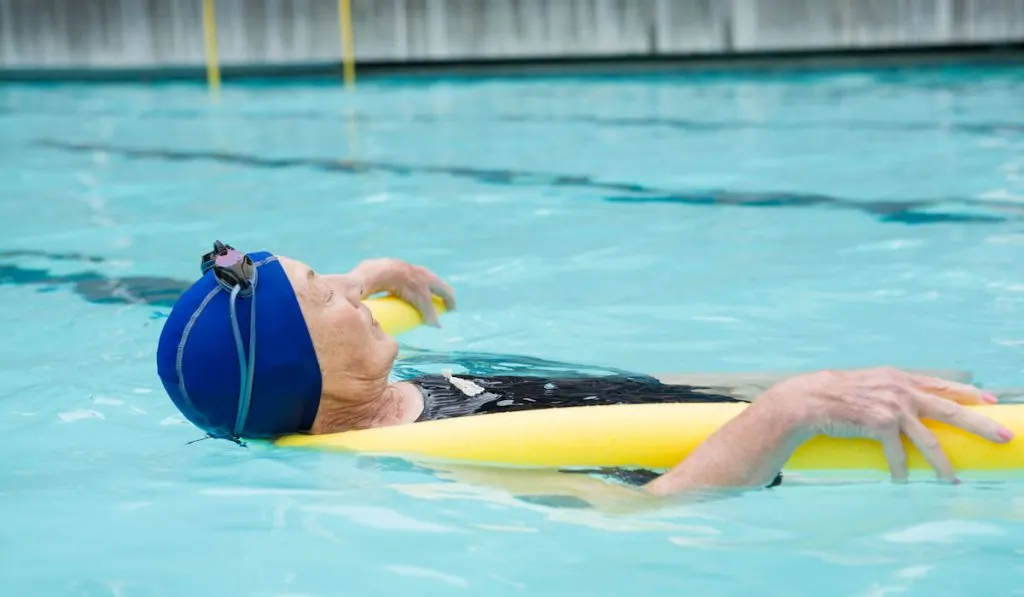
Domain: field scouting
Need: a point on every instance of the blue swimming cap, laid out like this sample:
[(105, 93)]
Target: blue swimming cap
[(206, 355)]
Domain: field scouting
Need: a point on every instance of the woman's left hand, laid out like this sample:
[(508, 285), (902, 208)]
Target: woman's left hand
[(412, 283)]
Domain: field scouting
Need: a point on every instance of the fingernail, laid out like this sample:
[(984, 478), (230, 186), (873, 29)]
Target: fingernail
[(989, 397), (1005, 434)]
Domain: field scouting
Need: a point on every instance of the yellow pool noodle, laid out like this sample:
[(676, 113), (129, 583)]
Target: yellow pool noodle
[(648, 435), (396, 316)]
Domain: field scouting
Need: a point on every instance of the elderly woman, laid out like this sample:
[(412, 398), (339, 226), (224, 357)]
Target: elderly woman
[(262, 345)]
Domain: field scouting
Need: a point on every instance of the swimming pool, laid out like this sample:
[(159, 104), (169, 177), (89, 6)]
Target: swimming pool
[(657, 224)]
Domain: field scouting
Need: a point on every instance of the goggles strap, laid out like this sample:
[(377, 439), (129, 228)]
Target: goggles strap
[(236, 273), (247, 374)]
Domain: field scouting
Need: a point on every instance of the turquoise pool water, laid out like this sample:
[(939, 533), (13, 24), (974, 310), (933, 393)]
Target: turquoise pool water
[(659, 224)]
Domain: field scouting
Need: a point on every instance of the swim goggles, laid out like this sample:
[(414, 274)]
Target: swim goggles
[(237, 274)]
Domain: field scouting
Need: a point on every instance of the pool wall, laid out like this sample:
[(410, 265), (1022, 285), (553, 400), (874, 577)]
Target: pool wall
[(54, 38)]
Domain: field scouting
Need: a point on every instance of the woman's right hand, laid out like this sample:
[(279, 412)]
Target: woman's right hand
[(409, 282), (882, 404)]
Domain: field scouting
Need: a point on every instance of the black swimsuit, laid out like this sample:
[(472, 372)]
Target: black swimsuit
[(506, 393)]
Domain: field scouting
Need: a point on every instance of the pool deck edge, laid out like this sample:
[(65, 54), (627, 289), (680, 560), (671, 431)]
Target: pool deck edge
[(987, 55)]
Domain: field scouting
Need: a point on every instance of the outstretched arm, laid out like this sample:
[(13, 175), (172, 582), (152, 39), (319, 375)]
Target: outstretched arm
[(879, 404)]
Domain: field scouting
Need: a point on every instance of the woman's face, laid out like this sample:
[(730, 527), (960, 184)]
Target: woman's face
[(354, 353)]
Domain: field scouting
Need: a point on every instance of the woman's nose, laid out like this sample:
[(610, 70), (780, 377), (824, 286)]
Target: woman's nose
[(354, 294), (351, 289)]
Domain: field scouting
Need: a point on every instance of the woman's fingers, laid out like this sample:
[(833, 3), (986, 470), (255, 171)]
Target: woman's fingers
[(423, 277), (929, 447), (443, 290), (418, 286), (895, 454), (424, 303), (951, 390), (928, 406), (967, 419)]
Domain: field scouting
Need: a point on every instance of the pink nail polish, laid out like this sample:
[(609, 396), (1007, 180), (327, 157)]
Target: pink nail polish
[(990, 398), (1005, 434)]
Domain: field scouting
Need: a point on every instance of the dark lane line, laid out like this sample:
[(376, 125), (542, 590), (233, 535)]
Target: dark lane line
[(904, 212), (90, 285), (987, 128), (98, 288), (689, 125), (52, 256), (911, 213)]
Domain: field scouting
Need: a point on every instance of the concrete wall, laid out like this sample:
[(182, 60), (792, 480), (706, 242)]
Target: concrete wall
[(168, 33)]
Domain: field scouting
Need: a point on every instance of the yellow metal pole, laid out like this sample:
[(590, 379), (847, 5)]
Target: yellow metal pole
[(347, 42), (210, 38)]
